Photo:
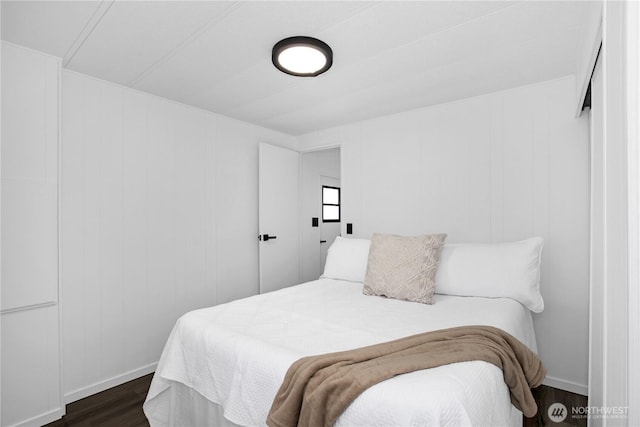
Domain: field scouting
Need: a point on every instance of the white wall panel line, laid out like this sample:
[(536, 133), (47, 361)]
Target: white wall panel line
[(358, 189), (60, 230), (497, 169), (92, 23), (28, 307)]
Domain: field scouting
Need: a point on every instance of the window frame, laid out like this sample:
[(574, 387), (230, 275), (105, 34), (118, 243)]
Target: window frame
[(323, 204)]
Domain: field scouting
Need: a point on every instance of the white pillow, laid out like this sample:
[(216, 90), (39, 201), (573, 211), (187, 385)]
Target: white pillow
[(347, 260), (510, 270)]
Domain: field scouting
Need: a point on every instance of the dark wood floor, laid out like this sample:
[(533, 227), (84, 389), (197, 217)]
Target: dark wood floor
[(547, 396), (122, 407)]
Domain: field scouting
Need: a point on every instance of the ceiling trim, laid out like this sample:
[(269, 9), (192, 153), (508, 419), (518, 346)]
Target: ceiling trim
[(88, 28), (190, 38)]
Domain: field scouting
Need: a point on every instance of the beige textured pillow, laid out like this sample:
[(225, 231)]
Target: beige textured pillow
[(403, 267)]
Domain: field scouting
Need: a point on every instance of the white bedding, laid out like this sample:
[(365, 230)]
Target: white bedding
[(235, 355)]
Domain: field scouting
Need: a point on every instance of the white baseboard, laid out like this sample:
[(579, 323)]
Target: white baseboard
[(42, 419), (108, 383), (566, 385)]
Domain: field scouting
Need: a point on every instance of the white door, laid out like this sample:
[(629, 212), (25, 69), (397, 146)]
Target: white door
[(278, 223), (328, 230)]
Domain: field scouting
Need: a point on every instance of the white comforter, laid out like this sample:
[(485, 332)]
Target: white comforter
[(236, 355)]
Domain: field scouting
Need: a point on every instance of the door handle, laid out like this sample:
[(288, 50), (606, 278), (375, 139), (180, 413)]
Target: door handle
[(323, 241), (266, 237)]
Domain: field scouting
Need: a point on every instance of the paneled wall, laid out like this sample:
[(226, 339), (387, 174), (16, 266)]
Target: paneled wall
[(159, 216), (494, 168), (30, 306)]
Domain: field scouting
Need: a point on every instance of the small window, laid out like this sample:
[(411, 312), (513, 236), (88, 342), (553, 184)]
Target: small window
[(330, 204)]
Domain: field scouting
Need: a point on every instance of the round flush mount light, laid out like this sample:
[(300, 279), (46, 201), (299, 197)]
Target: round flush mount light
[(302, 56)]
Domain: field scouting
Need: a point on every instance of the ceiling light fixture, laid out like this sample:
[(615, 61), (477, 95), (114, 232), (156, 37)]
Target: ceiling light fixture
[(302, 56)]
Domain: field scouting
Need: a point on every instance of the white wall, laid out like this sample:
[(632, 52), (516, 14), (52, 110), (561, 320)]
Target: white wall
[(159, 216), (597, 250), (632, 71), (498, 167), (314, 165), (30, 322), (613, 380)]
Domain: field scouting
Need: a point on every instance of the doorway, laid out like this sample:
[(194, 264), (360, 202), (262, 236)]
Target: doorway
[(321, 216), (330, 214)]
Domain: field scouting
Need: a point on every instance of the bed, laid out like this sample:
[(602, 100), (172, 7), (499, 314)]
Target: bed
[(223, 365)]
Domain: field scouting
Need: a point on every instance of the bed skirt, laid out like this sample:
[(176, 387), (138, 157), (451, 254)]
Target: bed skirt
[(183, 406)]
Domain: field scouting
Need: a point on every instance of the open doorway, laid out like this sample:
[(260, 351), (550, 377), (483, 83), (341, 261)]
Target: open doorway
[(321, 207), (330, 215)]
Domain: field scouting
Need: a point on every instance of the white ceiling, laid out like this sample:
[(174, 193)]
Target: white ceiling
[(389, 56)]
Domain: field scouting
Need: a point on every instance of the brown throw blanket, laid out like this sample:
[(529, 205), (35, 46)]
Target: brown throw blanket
[(317, 389)]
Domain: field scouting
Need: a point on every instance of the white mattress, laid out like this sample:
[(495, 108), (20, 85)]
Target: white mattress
[(231, 359)]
